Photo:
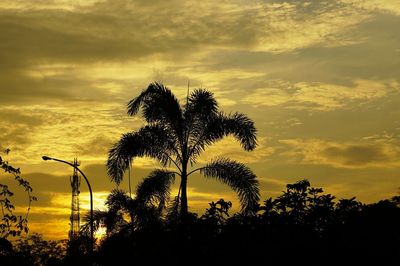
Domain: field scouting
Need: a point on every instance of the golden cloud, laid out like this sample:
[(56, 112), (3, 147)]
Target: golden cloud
[(230, 148), (388, 6), (343, 155), (321, 96), (294, 25)]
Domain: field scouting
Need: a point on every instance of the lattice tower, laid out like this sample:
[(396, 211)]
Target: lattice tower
[(75, 217)]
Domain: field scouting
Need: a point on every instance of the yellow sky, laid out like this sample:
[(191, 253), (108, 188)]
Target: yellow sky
[(319, 78)]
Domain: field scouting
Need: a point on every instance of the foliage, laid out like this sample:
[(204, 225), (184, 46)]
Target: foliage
[(176, 135), (300, 205), (10, 223), (37, 251), (301, 226), (215, 217), (34, 250), (126, 214), (218, 212)]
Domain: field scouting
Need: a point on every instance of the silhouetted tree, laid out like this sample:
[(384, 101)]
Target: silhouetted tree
[(11, 224), (303, 225), (37, 251), (33, 250), (215, 216), (177, 135), (218, 211), (126, 214)]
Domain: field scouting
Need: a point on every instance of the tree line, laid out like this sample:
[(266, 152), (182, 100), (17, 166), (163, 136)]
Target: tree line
[(303, 225)]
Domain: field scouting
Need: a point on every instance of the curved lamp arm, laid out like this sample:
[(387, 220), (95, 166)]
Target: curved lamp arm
[(46, 158)]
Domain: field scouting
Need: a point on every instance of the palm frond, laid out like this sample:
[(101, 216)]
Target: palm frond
[(205, 134), (119, 204), (153, 141), (200, 114), (239, 177), (173, 210), (159, 104), (155, 189), (119, 200), (98, 220), (120, 156), (153, 89), (111, 219), (243, 129), (219, 126), (201, 105)]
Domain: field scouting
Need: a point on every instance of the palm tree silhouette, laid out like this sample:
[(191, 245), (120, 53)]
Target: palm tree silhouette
[(177, 135)]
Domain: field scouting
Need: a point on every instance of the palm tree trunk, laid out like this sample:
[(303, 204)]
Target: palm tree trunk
[(184, 202)]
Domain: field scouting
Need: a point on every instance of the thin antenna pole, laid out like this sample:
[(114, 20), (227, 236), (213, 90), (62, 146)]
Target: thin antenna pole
[(129, 171), (187, 95), (179, 192)]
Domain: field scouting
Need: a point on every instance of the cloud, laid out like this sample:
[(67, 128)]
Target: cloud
[(72, 128), (55, 224), (98, 145), (123, 30), (46, 4), (357, 155), (389, 6), (294, 25), (343, 155), (229, 147), (320, 96), (44, 57), (14, 127)]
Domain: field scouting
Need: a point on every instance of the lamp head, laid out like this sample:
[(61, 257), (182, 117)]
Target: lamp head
[(46, 158)]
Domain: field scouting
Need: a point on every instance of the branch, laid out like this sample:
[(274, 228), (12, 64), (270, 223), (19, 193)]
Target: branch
[(176, 173), (195, 170), (172, 160)]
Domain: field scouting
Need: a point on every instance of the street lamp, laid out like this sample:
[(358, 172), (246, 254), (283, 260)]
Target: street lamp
[(46, 158)]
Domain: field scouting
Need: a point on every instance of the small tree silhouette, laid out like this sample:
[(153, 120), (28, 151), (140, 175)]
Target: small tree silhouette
[(11, 224), (130, 214), (178, 135)]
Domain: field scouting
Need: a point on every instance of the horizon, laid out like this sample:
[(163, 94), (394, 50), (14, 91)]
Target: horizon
[(321, 81)]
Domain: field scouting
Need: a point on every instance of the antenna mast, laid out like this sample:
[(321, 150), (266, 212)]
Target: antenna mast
[(75, 217), (187, 94)]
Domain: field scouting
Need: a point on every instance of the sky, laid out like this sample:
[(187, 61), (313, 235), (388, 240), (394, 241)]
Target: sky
[(320, 79)]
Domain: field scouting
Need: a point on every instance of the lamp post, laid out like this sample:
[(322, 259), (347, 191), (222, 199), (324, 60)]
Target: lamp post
[(46, 158)]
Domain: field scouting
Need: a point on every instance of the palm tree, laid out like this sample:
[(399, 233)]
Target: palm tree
[(144, 211), (176, 135)]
